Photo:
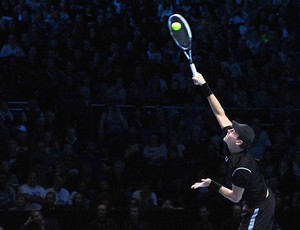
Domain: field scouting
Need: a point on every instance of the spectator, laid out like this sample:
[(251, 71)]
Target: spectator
[(20, 204), (12, 48), (119, 92), (60, 41), (50, 140), (112, 126), (181, 76), (146, 197), (153, 53), (12, 179), (7, 194), (262, 140), (180, 130), (171, 176), (119, 179), (103, 219), (37, 221), (7, 119), (86, 192), (71, 139), (62, 194), (50, 206), (154, 92), (104, 193), (79, 202), (34, 193), (154, 154), (203, 220), (134, 221), (176, 94), (13, 155)]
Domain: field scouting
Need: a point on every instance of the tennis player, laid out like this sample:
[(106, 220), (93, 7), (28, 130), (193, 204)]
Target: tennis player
[(248, 183)]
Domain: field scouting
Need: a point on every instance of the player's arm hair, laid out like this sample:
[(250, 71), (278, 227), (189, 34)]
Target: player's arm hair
[(214, 103), (218, 111), (234, 194)]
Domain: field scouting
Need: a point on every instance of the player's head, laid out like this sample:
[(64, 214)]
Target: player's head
[(239, 136), (245, 134)]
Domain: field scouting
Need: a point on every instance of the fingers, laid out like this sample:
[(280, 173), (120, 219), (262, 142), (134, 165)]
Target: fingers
[(196, 185), (203, 183), (199, 79)]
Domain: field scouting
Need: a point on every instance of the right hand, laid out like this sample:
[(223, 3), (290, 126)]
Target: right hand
[(202, 184), (199, 79)]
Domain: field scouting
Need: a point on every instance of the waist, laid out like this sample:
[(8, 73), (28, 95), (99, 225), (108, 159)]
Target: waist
[(256, 204)]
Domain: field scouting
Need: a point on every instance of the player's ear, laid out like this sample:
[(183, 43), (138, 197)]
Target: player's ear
[(239, 142)]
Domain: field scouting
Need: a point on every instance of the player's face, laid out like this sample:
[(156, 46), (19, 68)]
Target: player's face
[(231, 137)]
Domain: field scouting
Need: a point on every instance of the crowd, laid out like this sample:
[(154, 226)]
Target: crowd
[(113, 119)]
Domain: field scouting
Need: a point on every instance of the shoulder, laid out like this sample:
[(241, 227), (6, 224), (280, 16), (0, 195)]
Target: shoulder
[(39, 188), (243, 164), (241, 170), (136, 193), (65, 192), (24, 187)]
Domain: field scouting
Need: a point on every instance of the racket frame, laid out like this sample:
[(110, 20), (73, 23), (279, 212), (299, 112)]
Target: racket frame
[(188, 49)]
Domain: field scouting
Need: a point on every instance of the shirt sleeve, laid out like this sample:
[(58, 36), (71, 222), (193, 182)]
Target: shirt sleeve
[(241, 176)]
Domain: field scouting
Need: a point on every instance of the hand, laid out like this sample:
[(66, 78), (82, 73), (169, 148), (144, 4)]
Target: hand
[(202, 184), (198, 79)]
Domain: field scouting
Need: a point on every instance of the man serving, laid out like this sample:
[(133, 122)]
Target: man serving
[(248, 182)]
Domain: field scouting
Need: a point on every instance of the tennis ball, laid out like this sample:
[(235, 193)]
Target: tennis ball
[(176, 26)]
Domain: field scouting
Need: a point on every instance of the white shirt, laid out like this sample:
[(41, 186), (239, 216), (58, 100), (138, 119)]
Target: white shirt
[(63, 196), (37, 190), (137, 195), (8, 50), (156, 155)]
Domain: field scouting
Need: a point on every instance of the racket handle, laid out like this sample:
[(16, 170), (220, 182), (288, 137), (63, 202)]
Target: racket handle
[(194, 71)]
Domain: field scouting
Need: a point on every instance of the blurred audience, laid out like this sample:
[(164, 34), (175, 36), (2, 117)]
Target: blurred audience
[(96, 93)]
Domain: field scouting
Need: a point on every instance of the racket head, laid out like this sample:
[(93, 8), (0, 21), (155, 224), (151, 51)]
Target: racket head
[(182, 36)]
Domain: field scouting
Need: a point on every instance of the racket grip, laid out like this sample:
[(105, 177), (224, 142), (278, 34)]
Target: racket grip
[(194, 71)]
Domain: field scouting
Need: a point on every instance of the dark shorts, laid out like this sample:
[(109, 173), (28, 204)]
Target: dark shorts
[(260, 217)]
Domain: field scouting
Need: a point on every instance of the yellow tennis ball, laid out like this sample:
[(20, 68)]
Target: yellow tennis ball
[(176, 26)]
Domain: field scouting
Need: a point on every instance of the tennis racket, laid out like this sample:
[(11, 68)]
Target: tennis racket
[(182, 35)]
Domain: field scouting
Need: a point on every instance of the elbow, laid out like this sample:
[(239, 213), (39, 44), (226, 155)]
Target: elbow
[(236, 199)]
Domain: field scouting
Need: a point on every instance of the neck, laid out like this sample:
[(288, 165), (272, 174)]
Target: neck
[(236, 150)]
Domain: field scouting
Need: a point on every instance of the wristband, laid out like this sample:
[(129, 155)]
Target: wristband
[(215, 185), (206, 90)]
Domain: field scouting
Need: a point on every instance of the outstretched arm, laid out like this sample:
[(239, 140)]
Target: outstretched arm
[(213, 102), (235, 194)]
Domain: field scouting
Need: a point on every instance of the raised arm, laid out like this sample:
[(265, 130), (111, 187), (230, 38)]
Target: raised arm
[(214, 103), (235, 193)]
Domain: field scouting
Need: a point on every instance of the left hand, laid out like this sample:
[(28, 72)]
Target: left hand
[(202, 184)]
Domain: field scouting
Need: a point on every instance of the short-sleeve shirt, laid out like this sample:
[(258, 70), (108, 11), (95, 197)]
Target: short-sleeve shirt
[(246, 173)]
